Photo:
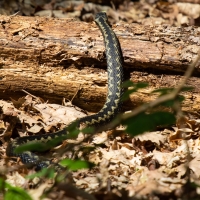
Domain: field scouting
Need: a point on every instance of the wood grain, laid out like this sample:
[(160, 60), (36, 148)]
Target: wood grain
[(57, 58)]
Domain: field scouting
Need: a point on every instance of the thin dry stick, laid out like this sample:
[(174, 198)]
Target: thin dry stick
[(37, 98)]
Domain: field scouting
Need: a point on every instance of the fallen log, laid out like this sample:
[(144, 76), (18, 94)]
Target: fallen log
[(58, 58)]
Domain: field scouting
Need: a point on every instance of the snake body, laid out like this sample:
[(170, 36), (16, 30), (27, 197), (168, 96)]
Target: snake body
[(106, 114)]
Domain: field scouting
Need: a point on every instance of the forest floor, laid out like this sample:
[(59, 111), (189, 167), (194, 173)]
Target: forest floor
[(159, 164)]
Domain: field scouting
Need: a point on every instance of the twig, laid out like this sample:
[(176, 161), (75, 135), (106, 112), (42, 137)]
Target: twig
[(15, 14), (29, 94), (37, 98), (76, 93), (70, 101)]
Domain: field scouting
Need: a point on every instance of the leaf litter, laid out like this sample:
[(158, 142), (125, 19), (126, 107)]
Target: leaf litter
[(154, 162)]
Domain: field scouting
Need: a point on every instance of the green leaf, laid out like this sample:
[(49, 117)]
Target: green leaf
[(170, 103), (72, 130), (46, 172), (88, 130), (187, 88), (14, 193), (73, 134), (31, 146), (2, 184), (133, 87), (129, 83), (74, 165), (164, 91), (41, 146), (148, 122)]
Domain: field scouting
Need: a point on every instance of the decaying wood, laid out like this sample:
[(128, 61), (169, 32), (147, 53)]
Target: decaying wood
[(56, 58)]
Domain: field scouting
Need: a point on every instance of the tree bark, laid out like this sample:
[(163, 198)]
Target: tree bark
[(56, 58)]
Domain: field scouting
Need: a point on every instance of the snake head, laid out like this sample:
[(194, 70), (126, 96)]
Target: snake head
[(101, 15)]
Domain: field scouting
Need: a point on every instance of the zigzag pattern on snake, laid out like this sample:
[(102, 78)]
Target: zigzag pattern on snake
[(107, 113)]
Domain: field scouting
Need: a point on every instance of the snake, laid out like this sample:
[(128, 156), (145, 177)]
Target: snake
[(108, 112)]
